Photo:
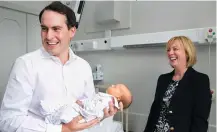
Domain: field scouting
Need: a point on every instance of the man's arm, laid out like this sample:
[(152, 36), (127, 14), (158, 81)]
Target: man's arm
[(15, 105)]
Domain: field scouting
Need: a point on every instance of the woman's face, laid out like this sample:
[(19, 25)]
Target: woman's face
[(176, 54)]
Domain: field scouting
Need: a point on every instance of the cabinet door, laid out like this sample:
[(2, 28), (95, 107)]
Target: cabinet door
[(12, 44), (33, 33)]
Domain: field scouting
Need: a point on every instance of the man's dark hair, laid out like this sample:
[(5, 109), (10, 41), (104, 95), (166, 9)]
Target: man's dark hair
[(59, 7)]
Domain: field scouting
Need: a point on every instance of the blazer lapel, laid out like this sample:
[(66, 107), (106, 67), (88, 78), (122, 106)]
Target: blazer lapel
[(165, 83), (182, 85)]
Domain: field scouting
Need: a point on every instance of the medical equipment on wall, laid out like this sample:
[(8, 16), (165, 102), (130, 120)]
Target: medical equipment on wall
[(210, 37), (197, 35), (91, 45), (98, 73)]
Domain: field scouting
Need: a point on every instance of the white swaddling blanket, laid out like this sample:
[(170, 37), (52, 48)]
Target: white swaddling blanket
[(64, 111)]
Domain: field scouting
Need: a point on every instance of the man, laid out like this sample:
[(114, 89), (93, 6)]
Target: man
[(52, 73)]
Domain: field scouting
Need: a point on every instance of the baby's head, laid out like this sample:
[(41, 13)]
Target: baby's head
[(122, 93)]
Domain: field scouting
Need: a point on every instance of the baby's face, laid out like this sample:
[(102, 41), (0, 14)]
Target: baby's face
[(115, 91), (122, 93)]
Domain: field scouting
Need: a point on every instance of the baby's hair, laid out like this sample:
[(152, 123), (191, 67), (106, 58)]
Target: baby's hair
[(131, 100)]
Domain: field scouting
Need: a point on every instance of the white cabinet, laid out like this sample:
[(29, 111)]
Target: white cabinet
[(13, 42), (33, 33)]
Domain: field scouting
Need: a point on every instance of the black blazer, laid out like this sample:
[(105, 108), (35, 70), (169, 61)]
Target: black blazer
[(190, 105)]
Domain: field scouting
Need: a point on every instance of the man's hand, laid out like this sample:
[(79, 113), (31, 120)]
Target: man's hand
[(112, 109), (74, 125)]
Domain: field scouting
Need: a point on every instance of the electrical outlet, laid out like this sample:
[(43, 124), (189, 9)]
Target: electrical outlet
[(94, 76), (99, 75)]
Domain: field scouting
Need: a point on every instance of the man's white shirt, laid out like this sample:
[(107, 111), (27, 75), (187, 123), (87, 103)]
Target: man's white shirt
[(39, 76)]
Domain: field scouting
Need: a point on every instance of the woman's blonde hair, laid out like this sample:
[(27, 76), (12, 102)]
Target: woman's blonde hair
[(188, 47)]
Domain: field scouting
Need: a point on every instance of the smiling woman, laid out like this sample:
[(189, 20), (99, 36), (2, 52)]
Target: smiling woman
[(181, 51), (182, 99)]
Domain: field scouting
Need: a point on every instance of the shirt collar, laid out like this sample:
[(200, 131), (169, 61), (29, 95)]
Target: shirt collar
[(72, 55), (45, 54)]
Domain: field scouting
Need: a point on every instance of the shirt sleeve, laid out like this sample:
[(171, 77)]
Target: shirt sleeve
[(17, 99)]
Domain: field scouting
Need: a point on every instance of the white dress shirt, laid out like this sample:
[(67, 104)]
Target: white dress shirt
[(39, 76)]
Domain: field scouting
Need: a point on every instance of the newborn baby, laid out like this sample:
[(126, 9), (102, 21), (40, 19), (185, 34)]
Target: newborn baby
[(89, 108), (121, 93)]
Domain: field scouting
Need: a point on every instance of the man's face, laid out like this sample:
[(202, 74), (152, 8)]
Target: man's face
[(55, 34)]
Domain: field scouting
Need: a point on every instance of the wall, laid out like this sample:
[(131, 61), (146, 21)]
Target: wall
[(13, 42), (155, 16), (32, 7)]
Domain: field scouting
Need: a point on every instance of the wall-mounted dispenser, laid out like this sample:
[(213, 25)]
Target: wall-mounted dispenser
[(98, 73)]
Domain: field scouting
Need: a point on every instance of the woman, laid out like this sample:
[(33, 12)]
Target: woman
[(183, 99)]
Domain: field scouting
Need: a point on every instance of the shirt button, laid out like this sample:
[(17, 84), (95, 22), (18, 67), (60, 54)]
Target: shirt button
[(171, 128)]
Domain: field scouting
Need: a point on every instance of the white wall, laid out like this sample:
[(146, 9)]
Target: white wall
[(156, 16), (30, 7), (13, 42), (33, 7)]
